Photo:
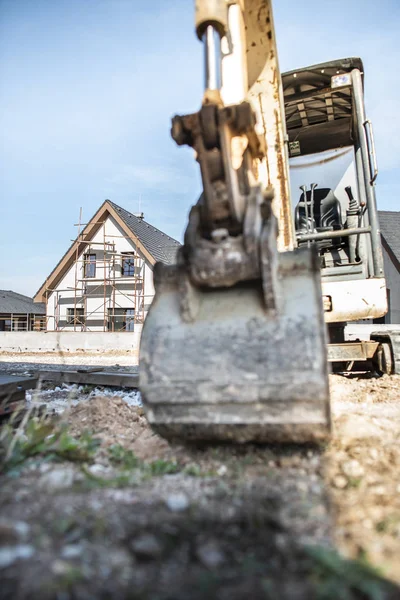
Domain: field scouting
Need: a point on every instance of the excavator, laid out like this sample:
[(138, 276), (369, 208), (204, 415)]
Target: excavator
[(235, 344)]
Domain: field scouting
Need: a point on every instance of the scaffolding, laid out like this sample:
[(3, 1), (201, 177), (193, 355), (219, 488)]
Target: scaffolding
[(109, 286)]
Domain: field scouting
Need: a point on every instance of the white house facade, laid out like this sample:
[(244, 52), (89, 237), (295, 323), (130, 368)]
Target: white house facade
[(105, 280)]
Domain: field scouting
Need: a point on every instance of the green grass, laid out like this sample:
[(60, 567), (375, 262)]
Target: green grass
[(127, 460), (339, 579), (118, 455), (43, 439), (389, 524)]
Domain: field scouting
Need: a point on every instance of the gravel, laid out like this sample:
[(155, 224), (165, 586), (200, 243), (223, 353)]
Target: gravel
[(10, 554), (177, 502), (60, 398)]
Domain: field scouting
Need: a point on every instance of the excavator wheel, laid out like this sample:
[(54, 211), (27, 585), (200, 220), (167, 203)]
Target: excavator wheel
[(387, 357), (384, 359)]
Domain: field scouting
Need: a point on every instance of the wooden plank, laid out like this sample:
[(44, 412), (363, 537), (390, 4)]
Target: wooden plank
[(11, 384), (111, 379)]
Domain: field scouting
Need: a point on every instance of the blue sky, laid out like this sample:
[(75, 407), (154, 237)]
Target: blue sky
[(87, 91)]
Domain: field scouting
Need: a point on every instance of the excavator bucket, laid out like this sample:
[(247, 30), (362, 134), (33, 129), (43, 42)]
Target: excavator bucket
[(216, 365)]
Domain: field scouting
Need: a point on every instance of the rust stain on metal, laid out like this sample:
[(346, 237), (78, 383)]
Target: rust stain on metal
[(281, 176), (265, 131)]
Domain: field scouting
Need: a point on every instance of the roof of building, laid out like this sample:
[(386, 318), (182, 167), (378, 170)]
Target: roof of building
[(13, 303), (389, 221), (159, 244)]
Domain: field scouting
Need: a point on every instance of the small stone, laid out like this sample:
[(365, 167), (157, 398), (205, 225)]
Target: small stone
[(100, 470), (71, 551), (57, 479), (45, 468), (315, 461), (374, 453), (316, 489), (177, 502), (210, 555), (271, 463), (147, 546), (281, 542), (302, 486), (60, 567), (352, 468), (368, 524), (9, 554), (22, 529), (339, 482), (230, 512), (222, 470)]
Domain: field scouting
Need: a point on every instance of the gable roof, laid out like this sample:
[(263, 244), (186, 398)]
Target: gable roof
[(150, 241), (159, 244), (12, 302), (389, 221)]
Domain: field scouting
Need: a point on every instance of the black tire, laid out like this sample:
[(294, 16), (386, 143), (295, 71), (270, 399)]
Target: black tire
[(383, 359)]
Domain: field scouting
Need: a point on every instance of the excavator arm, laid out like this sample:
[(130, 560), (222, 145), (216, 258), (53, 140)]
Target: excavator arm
[(233, 347)]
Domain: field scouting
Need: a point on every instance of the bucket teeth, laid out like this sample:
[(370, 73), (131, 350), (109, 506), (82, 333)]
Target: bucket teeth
[(233, 370)]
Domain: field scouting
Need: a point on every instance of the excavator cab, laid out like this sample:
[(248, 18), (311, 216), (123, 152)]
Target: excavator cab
[(333, 170)]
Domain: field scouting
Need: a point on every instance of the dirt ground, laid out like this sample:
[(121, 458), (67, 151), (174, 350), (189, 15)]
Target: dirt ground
[(146, 519), (363, 469)]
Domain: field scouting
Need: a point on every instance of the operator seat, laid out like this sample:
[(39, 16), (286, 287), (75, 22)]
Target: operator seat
[(327, 215)]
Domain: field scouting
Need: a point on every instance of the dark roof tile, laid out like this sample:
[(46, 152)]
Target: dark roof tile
[(11, 302), (389, 221), (160, 245)]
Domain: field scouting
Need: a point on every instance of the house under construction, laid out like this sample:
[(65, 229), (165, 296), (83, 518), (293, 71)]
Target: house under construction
[(104, 282)]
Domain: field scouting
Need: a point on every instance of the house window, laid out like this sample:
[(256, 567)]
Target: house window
[(75, 319), (128, 264), (121, 319), (5, 324), (89, 261)]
